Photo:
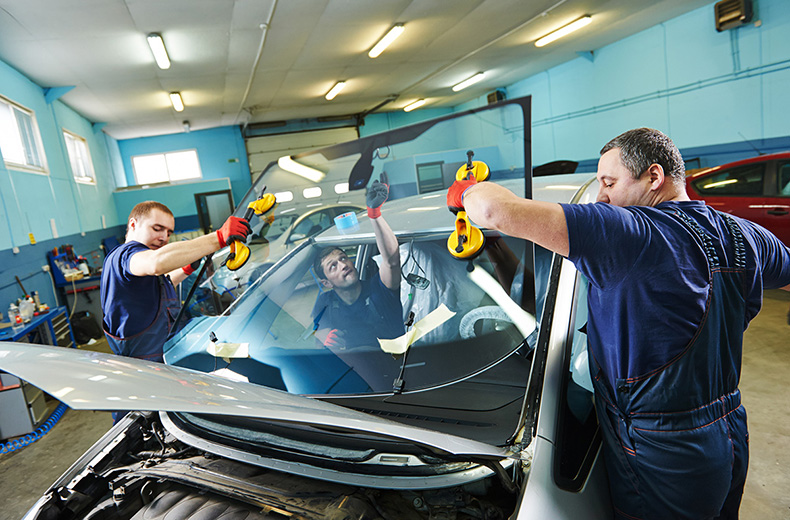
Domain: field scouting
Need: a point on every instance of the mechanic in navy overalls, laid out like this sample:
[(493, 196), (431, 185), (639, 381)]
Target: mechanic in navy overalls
[(673, 286), (353, 312), (138, 297)]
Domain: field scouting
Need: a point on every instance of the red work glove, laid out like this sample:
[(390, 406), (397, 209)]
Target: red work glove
[(455, 194), (191, 268), (234, 228), (335, 339), (375, 198)]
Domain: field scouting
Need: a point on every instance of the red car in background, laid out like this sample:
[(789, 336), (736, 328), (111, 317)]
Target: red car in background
[(757, 189)]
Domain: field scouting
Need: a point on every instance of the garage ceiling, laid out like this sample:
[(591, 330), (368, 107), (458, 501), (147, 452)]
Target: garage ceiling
[(253, 61)]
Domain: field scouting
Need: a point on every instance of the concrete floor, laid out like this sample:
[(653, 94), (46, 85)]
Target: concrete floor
[(26, 474)]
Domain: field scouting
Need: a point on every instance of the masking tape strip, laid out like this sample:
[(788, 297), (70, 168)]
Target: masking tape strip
[(399, 345), (230, 374), (229, 350)]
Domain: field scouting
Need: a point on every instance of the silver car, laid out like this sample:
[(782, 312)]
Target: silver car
[(488, 413)]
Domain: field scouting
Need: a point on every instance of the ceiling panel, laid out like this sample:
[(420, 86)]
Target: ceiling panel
[(99, 46)]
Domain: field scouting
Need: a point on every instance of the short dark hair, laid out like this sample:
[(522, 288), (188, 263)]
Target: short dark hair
[(143, 209), (317, 267), (641, 147)]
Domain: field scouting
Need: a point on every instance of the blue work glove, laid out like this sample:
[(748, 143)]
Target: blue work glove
[(376, 196)]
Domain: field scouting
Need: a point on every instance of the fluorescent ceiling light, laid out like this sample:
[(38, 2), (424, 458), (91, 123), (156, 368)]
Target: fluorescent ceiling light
[(383, 43), (178, 103), (412, 106), (468, 82), (157, 45), (563, 31), (334, 91), (288, 164), (341, 188)]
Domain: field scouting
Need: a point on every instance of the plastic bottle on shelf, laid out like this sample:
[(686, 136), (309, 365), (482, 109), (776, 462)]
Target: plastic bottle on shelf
[(15, 317), (26, 308)]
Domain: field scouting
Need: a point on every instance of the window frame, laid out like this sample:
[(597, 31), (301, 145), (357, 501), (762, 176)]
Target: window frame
[(735, 173), (37, 142), (87, 164), (164, 156), (571, 471)]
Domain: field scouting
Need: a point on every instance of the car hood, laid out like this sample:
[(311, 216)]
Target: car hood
[(86, 380)]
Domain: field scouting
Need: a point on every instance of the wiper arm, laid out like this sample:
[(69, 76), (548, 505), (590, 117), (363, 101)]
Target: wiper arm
[(399, 383)]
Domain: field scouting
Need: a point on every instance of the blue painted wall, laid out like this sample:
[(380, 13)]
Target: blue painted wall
[(718, 95), (221, 153), (30, 201)]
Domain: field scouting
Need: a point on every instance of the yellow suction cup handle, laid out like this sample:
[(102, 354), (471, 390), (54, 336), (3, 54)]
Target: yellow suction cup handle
[(239, 254), (263, 204), (479, 170), (466, 241)]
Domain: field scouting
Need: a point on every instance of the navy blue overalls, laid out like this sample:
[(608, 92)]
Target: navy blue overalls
[(148, 343), (675, 439)]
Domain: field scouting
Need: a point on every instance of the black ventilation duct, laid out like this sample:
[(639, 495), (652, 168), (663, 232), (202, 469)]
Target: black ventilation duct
[(732, 13)]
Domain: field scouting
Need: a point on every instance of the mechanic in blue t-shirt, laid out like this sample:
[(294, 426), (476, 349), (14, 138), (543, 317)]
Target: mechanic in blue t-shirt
[(673, 285), (138, 295), (354, 312)]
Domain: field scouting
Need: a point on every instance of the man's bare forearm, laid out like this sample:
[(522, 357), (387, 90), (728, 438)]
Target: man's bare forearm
[(390, 255), (172, 256), (495, 207)]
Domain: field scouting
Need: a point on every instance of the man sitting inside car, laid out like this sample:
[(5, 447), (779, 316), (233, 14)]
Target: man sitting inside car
[(354, 312)]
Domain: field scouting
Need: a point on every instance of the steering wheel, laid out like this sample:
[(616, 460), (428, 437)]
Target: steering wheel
[(493, 318)]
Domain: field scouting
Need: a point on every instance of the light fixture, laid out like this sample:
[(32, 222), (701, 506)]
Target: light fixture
[(186, 126), (157, 45), (334, 91), (287, 163), (385, 42), (563, 31), (412, 106), (178, 103), (468, 82)]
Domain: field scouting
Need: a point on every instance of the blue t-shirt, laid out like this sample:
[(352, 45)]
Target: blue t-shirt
[(129, 302), (377, 313), (649, 278)]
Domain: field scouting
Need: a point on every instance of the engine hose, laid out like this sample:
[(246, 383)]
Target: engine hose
[(39, 432)]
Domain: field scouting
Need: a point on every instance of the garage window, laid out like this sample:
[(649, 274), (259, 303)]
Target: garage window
[(744, 180), (166, 167), (79, 158), (429, 177), (20, 139)]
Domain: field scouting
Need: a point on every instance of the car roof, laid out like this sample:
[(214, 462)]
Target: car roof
[(428, 212)]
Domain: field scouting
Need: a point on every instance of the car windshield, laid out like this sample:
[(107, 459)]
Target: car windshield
[(269, 322)]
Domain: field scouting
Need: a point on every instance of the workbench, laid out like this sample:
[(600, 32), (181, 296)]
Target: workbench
[(22, 406)]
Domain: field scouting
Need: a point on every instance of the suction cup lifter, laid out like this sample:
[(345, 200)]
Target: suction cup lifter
[(239, 252), (467, 241)]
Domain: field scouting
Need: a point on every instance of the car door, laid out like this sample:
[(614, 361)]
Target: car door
[(739, 190), (777, 210)]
